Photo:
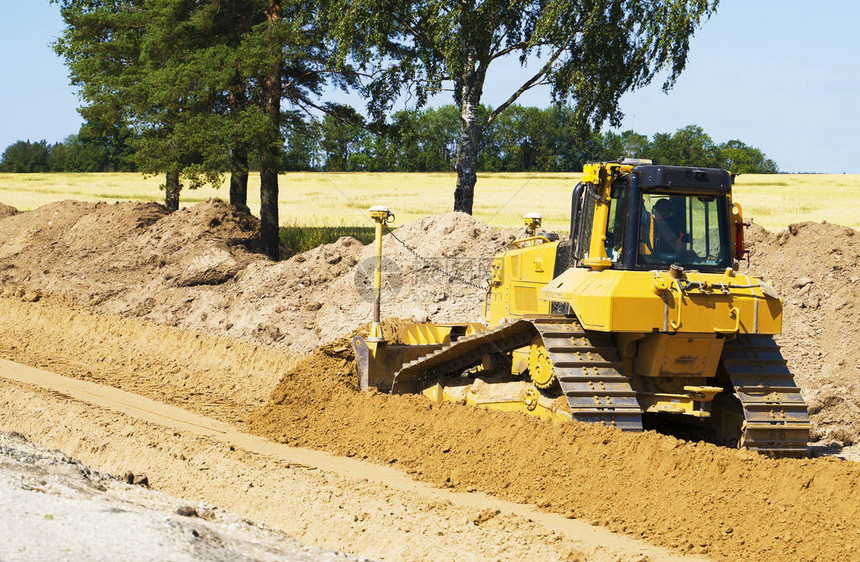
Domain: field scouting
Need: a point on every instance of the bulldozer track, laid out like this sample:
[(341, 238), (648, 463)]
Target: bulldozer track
[(776, 419), (586, 367)]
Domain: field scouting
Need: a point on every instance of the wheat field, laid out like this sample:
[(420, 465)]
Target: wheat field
[(342, 199)]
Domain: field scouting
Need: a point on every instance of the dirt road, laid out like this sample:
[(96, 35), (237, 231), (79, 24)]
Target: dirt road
[(55, 508), (321, 498)]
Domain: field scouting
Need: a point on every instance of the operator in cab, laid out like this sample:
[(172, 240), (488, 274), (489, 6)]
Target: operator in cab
[(667, 238)]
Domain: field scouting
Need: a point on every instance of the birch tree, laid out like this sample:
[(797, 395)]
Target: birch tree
[(587, 52)]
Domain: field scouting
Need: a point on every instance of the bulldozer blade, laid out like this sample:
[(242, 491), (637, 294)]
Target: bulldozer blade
[(362, 361)]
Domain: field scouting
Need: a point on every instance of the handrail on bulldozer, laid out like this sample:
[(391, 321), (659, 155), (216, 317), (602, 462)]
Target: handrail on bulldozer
[(522, 242)]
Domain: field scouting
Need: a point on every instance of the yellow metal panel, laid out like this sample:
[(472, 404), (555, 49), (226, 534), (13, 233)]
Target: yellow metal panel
[(513, 264), (690, 355), (525, 300), (518, 276), (430, 334), (644, 301), (537, 262)]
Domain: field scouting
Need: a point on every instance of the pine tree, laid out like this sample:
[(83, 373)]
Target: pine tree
[(200, 83)]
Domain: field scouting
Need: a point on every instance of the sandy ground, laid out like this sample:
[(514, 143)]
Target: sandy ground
[(322, 499), (588, 472), (176, 310), (55, 508)]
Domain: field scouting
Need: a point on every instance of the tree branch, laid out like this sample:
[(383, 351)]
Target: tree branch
[(305, 101), (498, 42), (516, 47), (417, 34), (534, 80)]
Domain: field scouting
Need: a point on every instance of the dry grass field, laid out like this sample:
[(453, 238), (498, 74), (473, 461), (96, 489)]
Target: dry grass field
[(341, 199)]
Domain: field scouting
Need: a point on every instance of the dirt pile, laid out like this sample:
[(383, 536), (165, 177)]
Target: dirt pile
[(116, 255), (816, 270), (196, 268), (7, 211), (316, 296), (435, 268), (717, 497)]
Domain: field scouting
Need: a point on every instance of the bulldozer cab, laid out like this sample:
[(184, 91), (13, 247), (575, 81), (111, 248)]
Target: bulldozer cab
[(651, 217)]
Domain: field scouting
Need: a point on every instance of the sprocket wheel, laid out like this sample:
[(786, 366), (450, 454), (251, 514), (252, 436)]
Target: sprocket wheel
[(540, 365)]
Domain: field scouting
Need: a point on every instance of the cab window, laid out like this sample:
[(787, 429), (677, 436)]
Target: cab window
[(690, 230), (615, 224), (586, 220)]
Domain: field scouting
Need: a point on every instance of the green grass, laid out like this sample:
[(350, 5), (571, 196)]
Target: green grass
[(319, 199), (304, 238)]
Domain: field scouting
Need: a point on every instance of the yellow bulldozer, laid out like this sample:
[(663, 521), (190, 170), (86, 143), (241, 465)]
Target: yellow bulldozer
[(638, 317)]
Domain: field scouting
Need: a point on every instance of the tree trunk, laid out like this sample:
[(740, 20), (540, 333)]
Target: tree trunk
[(471, 88), (269, 156), (239, 155), (467, 159), (171, 191), (239, 178), (269, 236)]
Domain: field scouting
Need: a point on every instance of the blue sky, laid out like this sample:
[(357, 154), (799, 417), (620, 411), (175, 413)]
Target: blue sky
[(783, 76)]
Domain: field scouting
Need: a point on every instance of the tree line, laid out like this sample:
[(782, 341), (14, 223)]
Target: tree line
[(523, 139), (82, 152), (213, 87)]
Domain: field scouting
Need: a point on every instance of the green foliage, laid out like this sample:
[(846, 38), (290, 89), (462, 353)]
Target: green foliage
[(26, 157), (304, 238), (187, 76), (591, 53), (91, 150), (301, 147), (523, 139), (342, 143), (743, 159), (77, 155), (201, 84), (424, 141), (690, 144)]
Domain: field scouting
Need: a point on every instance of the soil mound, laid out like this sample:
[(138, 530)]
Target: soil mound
[(449, 234), (7, 211), (129, 258), (55, 248), (582, 470), (196, 268), (816, 269), (435, 268)]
